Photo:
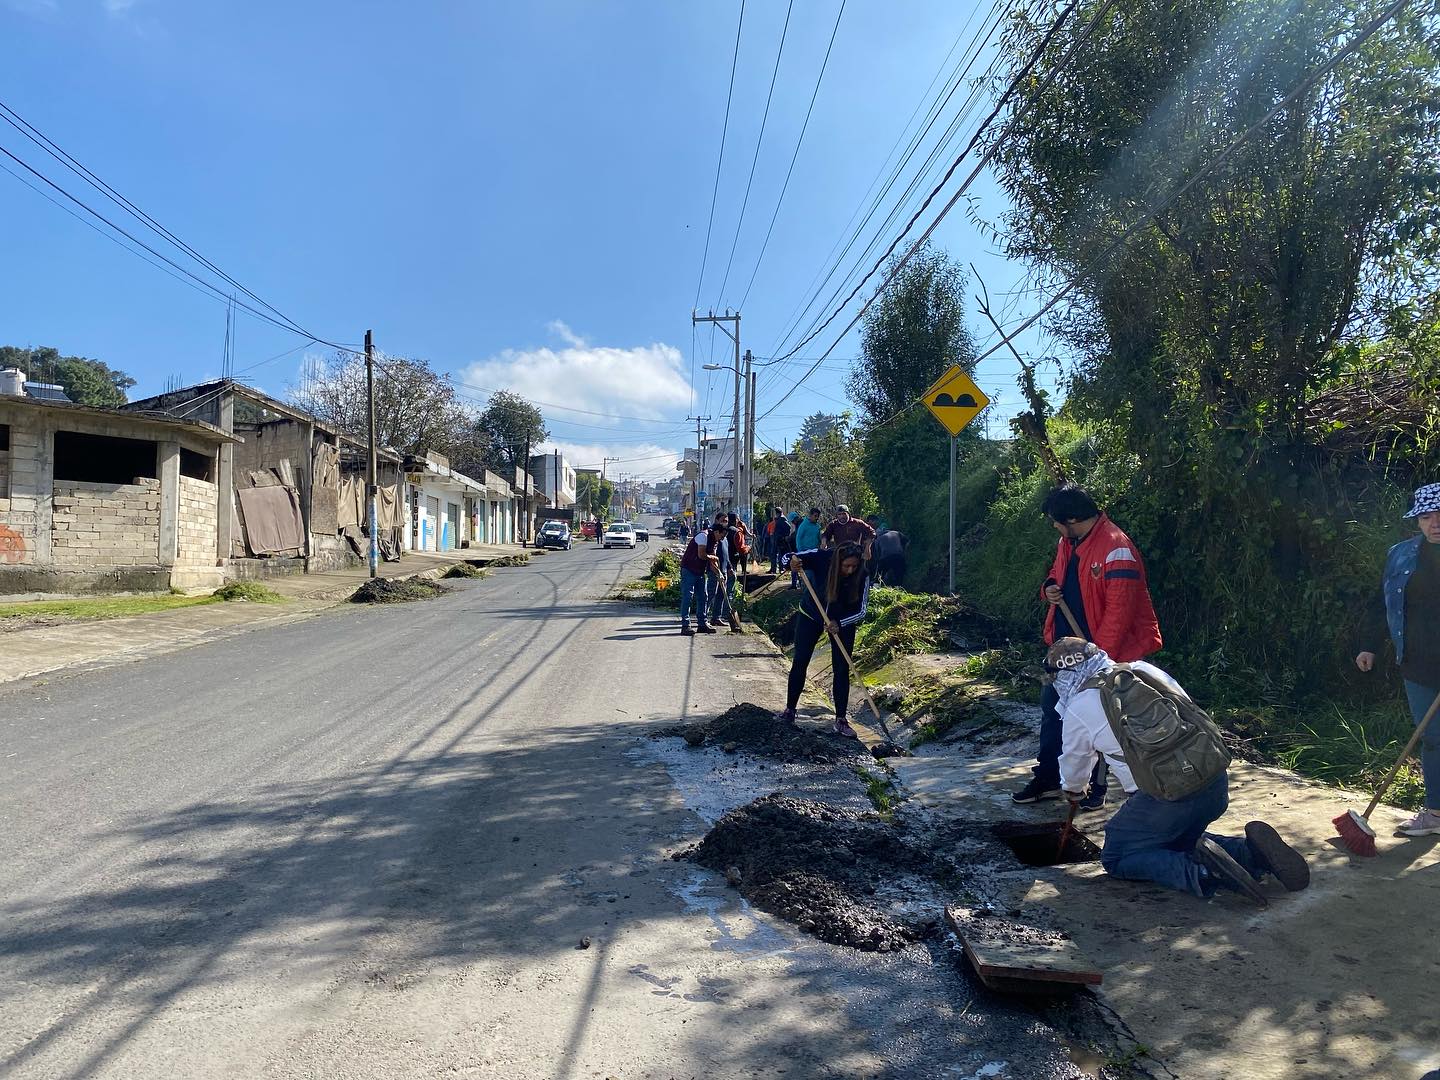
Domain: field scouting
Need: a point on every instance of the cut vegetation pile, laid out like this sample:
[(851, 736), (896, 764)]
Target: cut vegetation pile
[(249, 591), (465, 570), (845, 877), (753, 730), (396, 590), (511, 560)]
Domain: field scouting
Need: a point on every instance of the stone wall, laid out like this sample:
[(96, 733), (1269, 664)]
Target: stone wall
[(196, 525), (106, 525)]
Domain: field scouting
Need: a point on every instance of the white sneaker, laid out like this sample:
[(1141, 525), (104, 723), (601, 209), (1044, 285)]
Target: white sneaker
[(1425, 823)]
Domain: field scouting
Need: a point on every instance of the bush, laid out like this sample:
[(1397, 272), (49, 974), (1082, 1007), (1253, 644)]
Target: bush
[(666, 564)]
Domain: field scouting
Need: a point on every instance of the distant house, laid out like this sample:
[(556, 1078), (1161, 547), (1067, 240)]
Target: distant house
[(96, 500)]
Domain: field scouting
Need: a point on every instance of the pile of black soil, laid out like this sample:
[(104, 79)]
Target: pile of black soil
[(752, 730), (396, 590), (847, 878)]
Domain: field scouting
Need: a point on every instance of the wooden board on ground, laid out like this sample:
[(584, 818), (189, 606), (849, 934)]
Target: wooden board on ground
[(1014, 958)]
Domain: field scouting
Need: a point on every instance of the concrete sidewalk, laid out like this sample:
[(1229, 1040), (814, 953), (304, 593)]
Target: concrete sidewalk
[(80, 646), (1335, 981)]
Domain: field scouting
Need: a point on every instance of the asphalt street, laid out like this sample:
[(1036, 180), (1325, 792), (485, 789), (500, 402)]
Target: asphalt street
[(370, 843)]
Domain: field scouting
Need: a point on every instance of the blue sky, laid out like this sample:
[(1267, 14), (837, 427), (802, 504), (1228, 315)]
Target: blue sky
[(518, 192)]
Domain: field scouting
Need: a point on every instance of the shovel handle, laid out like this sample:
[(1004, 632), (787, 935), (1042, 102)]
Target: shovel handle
[(1070, 617), (820, 610)]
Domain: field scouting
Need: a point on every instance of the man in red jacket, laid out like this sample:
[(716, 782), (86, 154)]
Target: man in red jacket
[(1099, 575)]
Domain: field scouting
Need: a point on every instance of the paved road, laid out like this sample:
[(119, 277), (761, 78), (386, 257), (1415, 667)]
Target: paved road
[(368, 843)]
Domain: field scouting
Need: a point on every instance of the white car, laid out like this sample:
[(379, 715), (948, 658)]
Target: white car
[(620, 534)]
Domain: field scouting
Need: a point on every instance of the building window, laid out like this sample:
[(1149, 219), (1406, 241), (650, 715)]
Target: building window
[(103, 459), (4, 438), (196, 466)]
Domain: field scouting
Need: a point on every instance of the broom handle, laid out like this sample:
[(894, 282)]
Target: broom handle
[(1419, 731), (820, 610)]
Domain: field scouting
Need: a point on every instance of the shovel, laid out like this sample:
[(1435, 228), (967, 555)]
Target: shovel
[(820, 609)]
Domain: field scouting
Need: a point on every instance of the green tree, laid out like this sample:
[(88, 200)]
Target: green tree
[(824, 475), (815, 427), (509, 424), (86, 381), (593, 493)]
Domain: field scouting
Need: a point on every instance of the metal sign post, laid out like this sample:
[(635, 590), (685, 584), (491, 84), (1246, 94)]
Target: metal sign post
[(954, 400)]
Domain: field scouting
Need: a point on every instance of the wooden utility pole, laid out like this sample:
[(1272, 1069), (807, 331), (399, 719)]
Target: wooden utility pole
[(372, 488)]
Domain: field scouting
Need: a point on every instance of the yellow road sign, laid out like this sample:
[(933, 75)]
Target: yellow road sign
[(955, 399)]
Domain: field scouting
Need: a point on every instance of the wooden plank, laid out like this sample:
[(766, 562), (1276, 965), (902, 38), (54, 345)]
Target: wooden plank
[(1004, 952)]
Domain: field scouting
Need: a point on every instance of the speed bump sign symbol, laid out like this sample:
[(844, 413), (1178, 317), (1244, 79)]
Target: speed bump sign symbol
[(955, 399)]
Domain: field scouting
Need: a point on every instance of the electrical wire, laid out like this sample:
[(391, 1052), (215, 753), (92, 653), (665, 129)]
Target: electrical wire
[(755, 160), (799, 141), (720, 163)]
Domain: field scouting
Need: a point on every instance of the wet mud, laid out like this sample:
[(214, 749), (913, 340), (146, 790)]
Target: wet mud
[(846, 877), (752, 730)]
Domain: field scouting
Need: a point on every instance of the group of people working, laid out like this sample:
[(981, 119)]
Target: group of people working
[(1107, 711)]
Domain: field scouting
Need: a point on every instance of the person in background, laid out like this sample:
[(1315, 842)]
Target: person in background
[(807, 538), (779, 539), (838, 577), (1098, 573), (890, 548), (1408, 607), (844, 529), (723, 540), (1149, 838), (696, 566), (741, 561), (684, 531)]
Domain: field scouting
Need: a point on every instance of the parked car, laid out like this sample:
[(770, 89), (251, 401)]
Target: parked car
[(556, 534), (642, 533), (672, 528), (587, 530), (620, 534)]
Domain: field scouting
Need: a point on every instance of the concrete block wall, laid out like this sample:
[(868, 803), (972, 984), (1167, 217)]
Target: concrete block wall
[(196, 523), (19, 497), (106, 525)]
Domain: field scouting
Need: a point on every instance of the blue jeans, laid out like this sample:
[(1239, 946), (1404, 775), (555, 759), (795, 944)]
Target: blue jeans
[(693, 588), (1051, 732), (720, 598), (1149, 839), (1420, 698)]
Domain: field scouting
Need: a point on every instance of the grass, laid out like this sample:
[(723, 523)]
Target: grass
[(251, 591), (1354, 748), (880, 790), (106, 607)]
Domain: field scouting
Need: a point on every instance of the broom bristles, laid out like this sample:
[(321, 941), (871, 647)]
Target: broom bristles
[(1355, 833)]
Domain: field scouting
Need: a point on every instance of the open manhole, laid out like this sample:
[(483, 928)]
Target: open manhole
[(1039, 844)]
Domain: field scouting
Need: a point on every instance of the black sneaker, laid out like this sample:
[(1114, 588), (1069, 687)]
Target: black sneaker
[(708, 630), (1033, 792), (1276, 856), (1092, 802), (1227, 872), (685, 631)]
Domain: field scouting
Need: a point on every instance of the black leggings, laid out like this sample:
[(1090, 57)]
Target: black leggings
[(808, 633)]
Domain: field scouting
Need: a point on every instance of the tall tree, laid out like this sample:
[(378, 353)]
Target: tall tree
[(814, 428), (86, 381), (509, 424), (415, 406), (825, 474)]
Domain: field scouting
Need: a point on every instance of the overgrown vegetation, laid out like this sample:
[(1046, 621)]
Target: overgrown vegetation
[(253, 592), (44, 612), (880, 789), (466, 570)]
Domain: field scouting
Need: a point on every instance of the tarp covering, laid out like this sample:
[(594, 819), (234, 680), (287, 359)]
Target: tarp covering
[(325, 489), (351, 508), (273, 525)]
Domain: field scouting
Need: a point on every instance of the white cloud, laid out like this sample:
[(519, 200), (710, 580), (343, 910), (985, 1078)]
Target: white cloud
[(645, 461), (644, 380)]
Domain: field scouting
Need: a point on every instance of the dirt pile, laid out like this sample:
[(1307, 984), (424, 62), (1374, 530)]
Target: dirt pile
[(396, 590), (848, 878), (511, 560), (754, 730)]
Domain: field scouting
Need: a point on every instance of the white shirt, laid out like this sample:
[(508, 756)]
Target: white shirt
[(1087, 735)]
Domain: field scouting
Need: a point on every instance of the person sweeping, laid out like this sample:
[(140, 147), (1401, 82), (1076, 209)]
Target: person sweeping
[(1407, 609), (842, 588)]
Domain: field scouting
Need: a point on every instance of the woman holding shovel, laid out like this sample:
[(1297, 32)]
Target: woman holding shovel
[(835, 604), (1408, 607)]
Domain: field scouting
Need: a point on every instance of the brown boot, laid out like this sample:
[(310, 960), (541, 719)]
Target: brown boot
[(735, 624)]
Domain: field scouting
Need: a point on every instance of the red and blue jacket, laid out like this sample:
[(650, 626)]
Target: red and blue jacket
[(1114, 591)]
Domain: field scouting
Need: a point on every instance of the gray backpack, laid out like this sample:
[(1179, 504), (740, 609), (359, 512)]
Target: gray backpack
[(1171, 745)]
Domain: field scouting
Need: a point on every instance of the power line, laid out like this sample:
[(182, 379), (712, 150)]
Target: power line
[(755, 160), (793, 157), (719, 164)]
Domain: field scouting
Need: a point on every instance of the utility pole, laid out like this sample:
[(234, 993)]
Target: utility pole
[(739, 418), (372, 490), (699, 470), (525, 540), (748, 512)]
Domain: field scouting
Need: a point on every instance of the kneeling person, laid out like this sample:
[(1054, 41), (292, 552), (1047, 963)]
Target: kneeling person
[(1173, 767)]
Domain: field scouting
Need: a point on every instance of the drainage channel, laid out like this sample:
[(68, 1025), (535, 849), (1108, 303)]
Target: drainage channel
[(1038, 844)]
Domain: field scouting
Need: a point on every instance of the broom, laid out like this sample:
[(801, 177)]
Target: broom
[(855, 674), (1354, 829)]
